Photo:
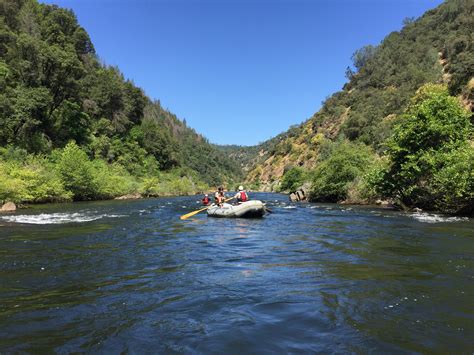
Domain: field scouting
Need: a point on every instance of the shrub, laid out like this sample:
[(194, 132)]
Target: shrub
[(77, 172), (111, 180), (292, 179), (333, 176), (149, 186)]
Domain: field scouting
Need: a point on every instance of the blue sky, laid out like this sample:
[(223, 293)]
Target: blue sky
[(239, 72)]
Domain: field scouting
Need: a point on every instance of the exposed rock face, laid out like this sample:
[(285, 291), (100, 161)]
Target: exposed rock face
[(8, 207), (134, 196)]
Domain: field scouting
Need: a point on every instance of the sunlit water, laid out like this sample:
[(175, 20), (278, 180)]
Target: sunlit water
[(131, 276)]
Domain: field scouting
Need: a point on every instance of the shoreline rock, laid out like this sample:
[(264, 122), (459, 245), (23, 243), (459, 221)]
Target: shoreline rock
[(135, 196), (8, 207)]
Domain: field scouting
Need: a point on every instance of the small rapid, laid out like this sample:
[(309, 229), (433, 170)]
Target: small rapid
[(58, 218)]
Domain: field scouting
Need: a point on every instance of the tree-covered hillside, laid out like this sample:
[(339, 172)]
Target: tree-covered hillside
[(55, 90), (436, 48), (400, 129)]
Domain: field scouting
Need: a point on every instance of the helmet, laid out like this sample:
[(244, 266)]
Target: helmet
[(206, 195), (241, 188)]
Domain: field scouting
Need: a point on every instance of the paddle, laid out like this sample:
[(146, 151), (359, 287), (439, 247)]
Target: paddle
[(190, 214)]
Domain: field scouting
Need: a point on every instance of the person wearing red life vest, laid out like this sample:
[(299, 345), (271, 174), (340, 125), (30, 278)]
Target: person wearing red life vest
[(206, 200), (241, 196)]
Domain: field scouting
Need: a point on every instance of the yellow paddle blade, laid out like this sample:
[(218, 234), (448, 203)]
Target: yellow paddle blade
[(190, 214)]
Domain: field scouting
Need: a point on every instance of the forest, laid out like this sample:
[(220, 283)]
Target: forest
[(73, 128)]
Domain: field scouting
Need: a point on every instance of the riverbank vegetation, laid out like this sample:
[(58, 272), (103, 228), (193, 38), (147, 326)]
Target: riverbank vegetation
[(69, 174), (428, 163), (74, 128)]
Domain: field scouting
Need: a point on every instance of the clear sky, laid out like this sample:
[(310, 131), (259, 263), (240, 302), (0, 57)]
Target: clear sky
[(239, 72)]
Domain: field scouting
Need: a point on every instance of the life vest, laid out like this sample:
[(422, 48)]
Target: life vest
[(243, 196), (205, 200)]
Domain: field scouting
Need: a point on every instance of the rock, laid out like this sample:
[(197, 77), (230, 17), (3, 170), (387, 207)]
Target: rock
[(298, 196), (293, 197), (416, 209), (383, 203), (135, 196), (301, 195), (8, 207)]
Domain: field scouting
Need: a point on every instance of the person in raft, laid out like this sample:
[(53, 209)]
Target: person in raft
[(219, 196), (241, 196), (206, 200)]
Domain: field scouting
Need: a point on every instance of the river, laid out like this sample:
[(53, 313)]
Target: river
[(130, 276)]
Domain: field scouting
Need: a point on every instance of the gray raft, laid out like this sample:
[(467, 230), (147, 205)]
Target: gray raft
[(249, 209)]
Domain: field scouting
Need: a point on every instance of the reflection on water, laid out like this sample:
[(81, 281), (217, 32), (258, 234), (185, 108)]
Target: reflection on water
[(130, 276)]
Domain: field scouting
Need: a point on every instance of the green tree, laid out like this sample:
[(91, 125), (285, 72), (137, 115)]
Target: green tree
[(427, 139)]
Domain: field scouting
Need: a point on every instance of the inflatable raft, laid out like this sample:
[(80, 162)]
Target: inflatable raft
[(249, 209)]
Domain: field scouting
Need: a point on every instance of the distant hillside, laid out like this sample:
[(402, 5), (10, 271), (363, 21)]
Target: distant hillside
[(438, 47), (54, 90)]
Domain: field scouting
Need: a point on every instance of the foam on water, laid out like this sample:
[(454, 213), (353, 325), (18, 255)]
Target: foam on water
[(57, 218), (436, 218)]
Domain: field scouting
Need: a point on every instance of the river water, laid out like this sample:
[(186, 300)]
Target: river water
[(131, 276)]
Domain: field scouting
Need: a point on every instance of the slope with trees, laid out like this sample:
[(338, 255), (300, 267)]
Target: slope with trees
[(355, 127), (59, 102)]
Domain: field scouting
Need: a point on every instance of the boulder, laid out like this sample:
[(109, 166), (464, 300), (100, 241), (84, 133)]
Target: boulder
[(293, 197), (298, 196), (383, 203), (8, 207), (301, 195), (134, 196)]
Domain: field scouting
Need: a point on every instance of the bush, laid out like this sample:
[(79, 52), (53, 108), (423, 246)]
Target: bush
[(149, 186), (77, 172), (333, 176), (111, 180), (292, 179)]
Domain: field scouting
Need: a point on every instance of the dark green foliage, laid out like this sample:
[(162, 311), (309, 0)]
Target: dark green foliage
[(431, 161)]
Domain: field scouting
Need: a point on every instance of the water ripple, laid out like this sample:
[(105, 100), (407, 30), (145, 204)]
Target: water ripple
[(130, 276)]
